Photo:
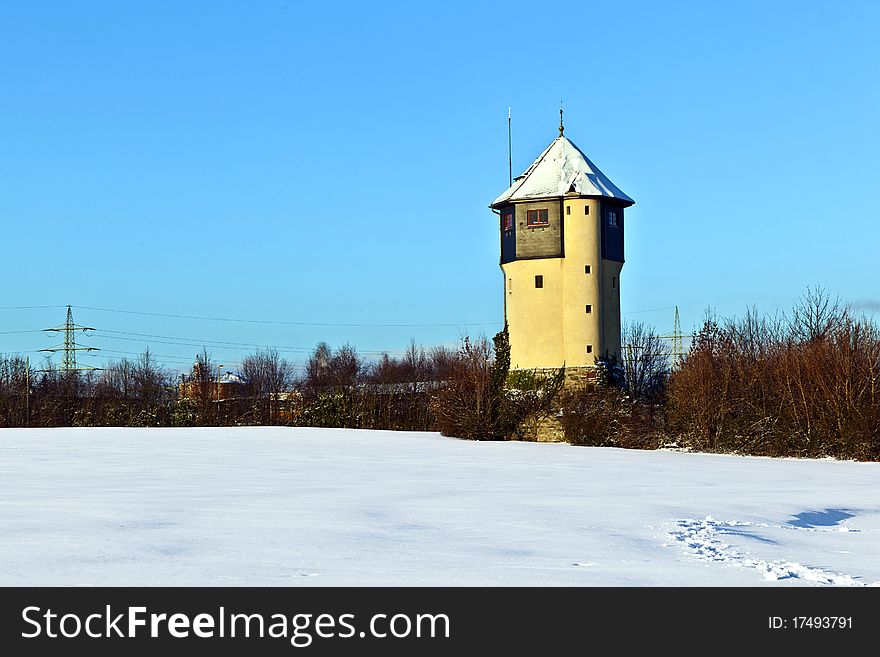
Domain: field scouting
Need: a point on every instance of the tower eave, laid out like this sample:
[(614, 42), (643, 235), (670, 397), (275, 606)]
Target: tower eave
[(498, 204)]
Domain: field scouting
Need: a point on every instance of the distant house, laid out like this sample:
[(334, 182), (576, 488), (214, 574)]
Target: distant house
[(199, 385)]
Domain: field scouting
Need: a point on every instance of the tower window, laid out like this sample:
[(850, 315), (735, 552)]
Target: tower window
[(589, 308), (507, 219), (567, 209), (537, 218), (589, 348), (586, 209), (586, 269), (612, 218), (510, 286), (539, 281), (614, 281)]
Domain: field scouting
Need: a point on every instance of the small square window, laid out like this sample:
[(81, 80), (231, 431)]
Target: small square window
[(567, 209), (589, 348), (589, 308), (537, 218), (586, 269), (586, 209), (539, 281)]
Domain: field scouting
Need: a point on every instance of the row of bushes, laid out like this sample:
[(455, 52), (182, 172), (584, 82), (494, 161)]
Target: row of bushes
[(337, 388), (803, 384), (754, 386)]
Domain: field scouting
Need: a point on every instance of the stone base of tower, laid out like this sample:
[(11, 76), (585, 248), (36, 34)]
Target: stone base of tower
[(545, 430), (579, 378), (549, 429), (576, 378)]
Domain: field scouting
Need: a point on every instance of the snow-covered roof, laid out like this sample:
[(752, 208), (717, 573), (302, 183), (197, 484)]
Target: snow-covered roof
[(561, 169)]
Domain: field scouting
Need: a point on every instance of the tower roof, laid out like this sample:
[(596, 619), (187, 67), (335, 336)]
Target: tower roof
[(561, 169)]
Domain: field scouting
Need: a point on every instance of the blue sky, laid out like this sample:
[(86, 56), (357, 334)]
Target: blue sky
[(332, 163)]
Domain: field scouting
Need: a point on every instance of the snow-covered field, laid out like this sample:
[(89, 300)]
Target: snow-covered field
[(287, 506)]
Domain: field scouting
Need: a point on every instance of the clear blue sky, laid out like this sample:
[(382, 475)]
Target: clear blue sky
[(333, 162)]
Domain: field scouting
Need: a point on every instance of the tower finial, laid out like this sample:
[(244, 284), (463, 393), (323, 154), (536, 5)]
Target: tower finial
[(561, 127)]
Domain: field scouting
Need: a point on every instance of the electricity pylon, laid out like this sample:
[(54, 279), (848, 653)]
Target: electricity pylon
[(677, 349), (69, 328), (677, 337)]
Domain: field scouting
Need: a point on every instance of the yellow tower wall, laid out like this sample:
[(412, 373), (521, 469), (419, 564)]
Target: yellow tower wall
[(583, 247), (536, 337)]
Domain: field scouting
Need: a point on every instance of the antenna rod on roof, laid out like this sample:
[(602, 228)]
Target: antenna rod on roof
[(509, 152), (561, 127)]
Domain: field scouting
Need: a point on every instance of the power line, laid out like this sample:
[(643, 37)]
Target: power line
[(28, 307), (224, 345), (170, 340), (649, 310), (163, 357), (200, 341), (186, 342), (279, 322), (70, 347)]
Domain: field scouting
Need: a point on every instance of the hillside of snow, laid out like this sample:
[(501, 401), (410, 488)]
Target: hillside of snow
[(289, 506)]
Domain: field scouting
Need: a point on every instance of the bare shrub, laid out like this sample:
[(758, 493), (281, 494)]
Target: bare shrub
[(645, 361), (815, 315), (267, 377), (328, 370), (802, 386), (16, 379), (480, 399), (464, 406)]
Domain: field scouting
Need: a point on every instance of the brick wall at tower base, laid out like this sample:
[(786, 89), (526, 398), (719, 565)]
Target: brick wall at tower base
[(548, 429)]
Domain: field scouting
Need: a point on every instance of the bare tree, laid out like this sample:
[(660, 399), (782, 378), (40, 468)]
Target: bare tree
[(464, 406), (318, 368), (387, 370), (151, 380), (326, 369), (118, 379), (15, 383), (346, 367), (266, 375), (443, 362), (417, 364), (201, 387), (115, 390), (815, 314), (645, 361)]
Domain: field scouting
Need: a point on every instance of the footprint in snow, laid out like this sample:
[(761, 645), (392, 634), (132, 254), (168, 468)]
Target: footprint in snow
[(704, 539)]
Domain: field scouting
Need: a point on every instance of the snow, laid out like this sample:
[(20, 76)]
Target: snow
[(560, 169), (310, 507)]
